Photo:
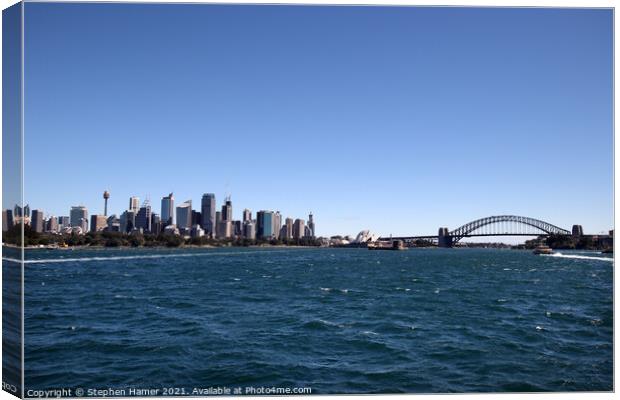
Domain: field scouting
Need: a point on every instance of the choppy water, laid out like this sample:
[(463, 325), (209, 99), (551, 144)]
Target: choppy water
[(335, 320)]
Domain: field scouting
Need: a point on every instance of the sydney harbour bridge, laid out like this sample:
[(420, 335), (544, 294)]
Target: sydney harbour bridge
[(497, 225)]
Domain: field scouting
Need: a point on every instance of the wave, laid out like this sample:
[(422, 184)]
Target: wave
[(578, 257), (136, 257)]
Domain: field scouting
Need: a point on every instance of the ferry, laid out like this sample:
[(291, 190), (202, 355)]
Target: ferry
[(396, 245), (542, 249)]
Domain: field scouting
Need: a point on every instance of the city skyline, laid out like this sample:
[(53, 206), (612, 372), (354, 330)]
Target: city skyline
[(398, 120)]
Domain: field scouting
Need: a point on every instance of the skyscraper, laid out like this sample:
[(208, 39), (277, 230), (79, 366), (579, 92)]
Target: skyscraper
[(184, 215), (227, 210), (37, 221), (134, 204), (127, 221), (76, 214), (289, 228), (249, 230), (247, 215), (311, 225), (143, 217), (208, 213), (264, 224), (299, 228), (167, 210), (52, 224), (277, 224), (7, 220), (98, 223)]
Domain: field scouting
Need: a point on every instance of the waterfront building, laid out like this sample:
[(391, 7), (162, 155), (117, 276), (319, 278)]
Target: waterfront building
[(51, 224), (167, 210), (307, 231), (114, 223), (184, 215), (283, 232), (196, 218), (311, 225), (7, 220), (98, 223), (134, 204), (156, 227), (237, 228), (83, 226), (224, 229), (207, 210), (218, 217), (21, 215), (299, 228), (171, 230), (277, 224), (227, 210), (249, 230), (37, 221), (127, 221), (247, 215), (78, 213), (265, 224), (63, 222), (197, 231), (288, 225), (143, 217)]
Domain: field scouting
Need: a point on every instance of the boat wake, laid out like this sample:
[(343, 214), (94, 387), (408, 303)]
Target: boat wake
[(578, 257)]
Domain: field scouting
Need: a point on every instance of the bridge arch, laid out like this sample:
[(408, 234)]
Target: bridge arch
[(541, 227)]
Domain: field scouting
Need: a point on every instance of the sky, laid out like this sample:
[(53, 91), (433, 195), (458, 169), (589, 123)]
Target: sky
[(394, 119)]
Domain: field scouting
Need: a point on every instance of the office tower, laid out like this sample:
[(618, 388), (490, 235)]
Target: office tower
[(98, 222), (207, 209), (224, 229), (237, 228), (196, 218), (21, 215), (227, 210), (264, 224), (299, 228), (127, 221), (77, 213), (143, 217), (247, 215), (307, 232), (249, 230), (167, 210), (184, 215), (311, 225), (134, 204), (283, 233), (288, 225), (218, 217), (114, 223), (7, 220), (155, 224), (37, 221), (83, 225), (52, 224), (106, 196), (63, 222), (277, 224)]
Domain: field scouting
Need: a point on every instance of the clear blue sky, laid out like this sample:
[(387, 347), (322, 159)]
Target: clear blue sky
[(398, 120)]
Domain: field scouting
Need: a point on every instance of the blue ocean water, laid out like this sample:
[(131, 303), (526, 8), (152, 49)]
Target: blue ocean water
[(334, 320)]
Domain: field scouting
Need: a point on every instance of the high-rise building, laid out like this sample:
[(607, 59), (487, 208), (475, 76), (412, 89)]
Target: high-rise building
[(299, 228), (7, 220), (237, 228), (249, 230), (52, 224), (196, 218), (63, 222), (156, 227), (208, 213), (21, 215), (224, 229), (127, 221), (277, 224), (197, 231), (311, 225), (77, 213), (288, 225), (265, 224), (134, 204), (184, 215), (143, 217), (247, 215), (83, 225), (167, 210), (98, 223), (227, 210), (114, 223), (218, 217), (37, 221)]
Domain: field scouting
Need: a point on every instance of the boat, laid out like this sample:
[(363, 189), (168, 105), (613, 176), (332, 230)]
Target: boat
[(542, 249), (395, 245)]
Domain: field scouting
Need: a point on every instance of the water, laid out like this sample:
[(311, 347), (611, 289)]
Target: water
[(334, 320)]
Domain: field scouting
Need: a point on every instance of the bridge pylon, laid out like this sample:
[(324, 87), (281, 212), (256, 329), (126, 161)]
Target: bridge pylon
[(443, 238)]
